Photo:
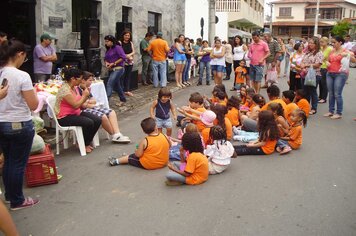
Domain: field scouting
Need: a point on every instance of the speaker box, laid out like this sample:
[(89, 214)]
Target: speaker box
[(93, 59), (89, 33), (72, 59), (121, 27), (134, 80)]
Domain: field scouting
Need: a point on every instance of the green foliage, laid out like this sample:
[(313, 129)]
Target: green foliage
[(341, 28)]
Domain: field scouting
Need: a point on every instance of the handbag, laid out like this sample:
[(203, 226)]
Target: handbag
[(310, 78)]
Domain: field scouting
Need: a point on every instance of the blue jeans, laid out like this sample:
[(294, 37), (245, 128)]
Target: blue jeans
[(174, 176), (335, 83), (311, 93), (282, 143), (146, 67), (16, 143), (186, 70), (161, 68), (202, 66), (114, 84)]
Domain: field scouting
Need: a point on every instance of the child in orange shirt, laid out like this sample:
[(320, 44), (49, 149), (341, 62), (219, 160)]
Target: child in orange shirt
[(221, 120), (294, 138), (219, 88), (268, 136), (243, 94), (240, 75), (301, 102), (249, 104), (193, 112), (288, 97), (196, 170), (151, 153), (233, 106), (208, 118), (278, 113)]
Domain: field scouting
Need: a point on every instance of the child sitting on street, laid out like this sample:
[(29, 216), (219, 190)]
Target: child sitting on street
[(193, 111), (278, 113), (233, 106), (196, 170), (219, 153), (151, 153), (301, 102), (288, 97)]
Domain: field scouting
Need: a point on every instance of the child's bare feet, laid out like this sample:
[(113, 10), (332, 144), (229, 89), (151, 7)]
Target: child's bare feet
[(285, 150)]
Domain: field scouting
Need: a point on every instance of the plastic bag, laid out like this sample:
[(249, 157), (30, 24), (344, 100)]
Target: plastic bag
[(345, 64), (38, 123), (271, 75), (310, 78), (38, 145)]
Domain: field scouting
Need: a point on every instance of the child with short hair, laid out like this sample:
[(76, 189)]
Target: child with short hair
[(233, 106), (294, 139), (196, 171), (301, 102), (268, 136), (278, 113), (152, 152), (219, 153), (288, 97), (240, 75), (193, 111), (160, 111)]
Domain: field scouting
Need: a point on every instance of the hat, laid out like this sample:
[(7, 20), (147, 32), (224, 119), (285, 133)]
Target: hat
[(208, 117), (159, 34), (46, 36)]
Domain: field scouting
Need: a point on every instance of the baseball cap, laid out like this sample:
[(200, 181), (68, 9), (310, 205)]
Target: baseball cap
[(208, 118), (159, 34), (46, 36)]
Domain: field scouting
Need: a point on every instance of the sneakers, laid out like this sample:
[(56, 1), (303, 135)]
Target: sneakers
[(119, 138), (113, 161), (29, 202)]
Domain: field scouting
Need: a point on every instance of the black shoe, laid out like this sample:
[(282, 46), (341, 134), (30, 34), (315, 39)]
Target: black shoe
[(199, 83), (226, 79), (207, 83)]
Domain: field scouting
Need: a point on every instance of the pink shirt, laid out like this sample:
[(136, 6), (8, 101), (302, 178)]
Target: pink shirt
[(258, 51), (67, 109), (335, 62)]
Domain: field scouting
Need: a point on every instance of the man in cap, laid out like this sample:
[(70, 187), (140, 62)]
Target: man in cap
[(44, 55)]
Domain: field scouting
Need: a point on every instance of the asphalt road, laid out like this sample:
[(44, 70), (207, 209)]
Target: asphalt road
[(311, 191)]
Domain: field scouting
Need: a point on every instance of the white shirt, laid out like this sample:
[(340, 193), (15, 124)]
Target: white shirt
[(220, 153), (347, 45), (239, 53), (218, 61)]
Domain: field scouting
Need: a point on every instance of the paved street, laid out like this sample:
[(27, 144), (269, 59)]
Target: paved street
[(307, 192)]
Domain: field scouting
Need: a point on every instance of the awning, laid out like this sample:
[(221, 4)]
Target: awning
[(323, 6), (233, 32)]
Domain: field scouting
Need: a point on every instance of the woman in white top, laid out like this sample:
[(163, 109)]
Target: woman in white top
[(239, 49), (217, 61), (16, 128)]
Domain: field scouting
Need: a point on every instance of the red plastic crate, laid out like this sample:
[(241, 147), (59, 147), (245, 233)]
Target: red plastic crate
[(41, 169)]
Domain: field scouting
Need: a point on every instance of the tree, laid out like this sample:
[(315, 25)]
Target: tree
[(341, 28)]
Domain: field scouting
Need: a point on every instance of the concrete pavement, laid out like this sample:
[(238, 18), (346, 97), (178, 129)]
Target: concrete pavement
[(307, 192)]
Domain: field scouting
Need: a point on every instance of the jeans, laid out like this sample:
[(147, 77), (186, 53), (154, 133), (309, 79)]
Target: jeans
[(323, 88), (256, 73), (311, 95), (242, 150), (114, 84), (125, 79), (173, 176), (146, 66), (295, 83), (335, 82), (228, 69), (249, 125), (282, 143), (90, 124), (204, 65), (16, 143), (161, 68), (186, 70)]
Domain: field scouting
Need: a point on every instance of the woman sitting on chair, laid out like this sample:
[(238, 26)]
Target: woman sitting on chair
[(68, 104)]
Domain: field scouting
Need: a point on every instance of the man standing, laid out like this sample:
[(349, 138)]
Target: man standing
[(159, 49), (347, 44), (44, 55), (146, 58), (274, 50), (258, 52)]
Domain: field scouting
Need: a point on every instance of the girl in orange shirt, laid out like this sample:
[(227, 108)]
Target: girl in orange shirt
[(294, 138), (268, 136), (221, 120), (233, 106), (278, 113), (243, 94)]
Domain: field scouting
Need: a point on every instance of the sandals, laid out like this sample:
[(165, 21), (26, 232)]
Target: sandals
[(336, 117), (329, 114), (129, 94), (312, 112), (120, 104)]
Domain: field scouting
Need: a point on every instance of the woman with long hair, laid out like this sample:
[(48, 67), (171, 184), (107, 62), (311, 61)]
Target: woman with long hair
[(323, 88), (188, 53), (295, 80), (217, 61), (129, 49), (179, 59)]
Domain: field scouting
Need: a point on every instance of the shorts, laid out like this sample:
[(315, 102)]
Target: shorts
[(256, 73), (98, 111), (180, 62), (216, 169), (217, 68), (135, 161), (163, 123)]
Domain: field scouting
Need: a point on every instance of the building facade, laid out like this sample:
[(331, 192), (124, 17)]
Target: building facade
[(296, 18)]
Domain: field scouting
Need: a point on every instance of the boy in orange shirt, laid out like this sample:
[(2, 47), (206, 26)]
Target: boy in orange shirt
[(196, 170), (151, 153), (240, 75), (288, 97), (193, 112), (301, 102)]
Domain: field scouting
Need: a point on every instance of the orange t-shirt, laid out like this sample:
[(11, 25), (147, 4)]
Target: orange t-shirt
[(233, 116), (304, 105), (278, 100), (295, 135), (240, 75), (269, 147), (156, 153), (200, 125), (290, 108), (250, 105), (159, 48), (197, 166), (228, 126), (205, 135)]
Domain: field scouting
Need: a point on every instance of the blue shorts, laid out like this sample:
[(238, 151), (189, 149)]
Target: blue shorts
[(256, 73), (163, 123), (217, 68)]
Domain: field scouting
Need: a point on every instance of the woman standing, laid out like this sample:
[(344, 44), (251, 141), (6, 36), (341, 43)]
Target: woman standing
[(239, 50), (228, 59), (325, 49), (336, 78), (114, 62), (204, 63), (217, 61), (179, 59), (313, 58), (188, 53), (295, 81), (127, 45), (16, 128), (281, 57)]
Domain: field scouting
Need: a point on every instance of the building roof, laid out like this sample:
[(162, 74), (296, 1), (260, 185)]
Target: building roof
[(311, 1), (299, 23), (323, 6)]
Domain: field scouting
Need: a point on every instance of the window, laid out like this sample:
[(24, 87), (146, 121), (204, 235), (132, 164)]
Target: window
[(285, 11), (305, 31), (283, 31), (126, 14), (154, 22), (80, 10)]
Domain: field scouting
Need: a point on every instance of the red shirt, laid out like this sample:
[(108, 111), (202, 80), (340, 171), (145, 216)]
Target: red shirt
[(335, 62)]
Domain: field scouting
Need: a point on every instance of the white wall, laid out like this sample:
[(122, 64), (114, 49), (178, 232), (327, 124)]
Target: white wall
[(298, 12)]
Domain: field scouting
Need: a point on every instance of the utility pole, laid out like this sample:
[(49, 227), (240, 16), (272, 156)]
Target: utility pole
[(211, 21), (271, 16), (316, 18)]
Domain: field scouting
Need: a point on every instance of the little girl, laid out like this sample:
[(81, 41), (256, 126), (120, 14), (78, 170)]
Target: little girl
[(268, 136), (220, 152), (163, 106), (221, 120), (243, 94), (196, 171), (250, 92), (278, 113), (233, 106), (293, 140)]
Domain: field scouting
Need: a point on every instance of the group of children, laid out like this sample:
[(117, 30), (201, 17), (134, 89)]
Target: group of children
[(207, 125)]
